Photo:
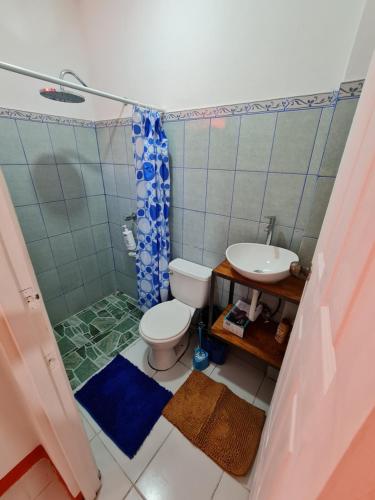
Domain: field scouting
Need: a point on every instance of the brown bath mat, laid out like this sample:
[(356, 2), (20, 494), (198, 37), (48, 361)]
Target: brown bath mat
[(222, 425)]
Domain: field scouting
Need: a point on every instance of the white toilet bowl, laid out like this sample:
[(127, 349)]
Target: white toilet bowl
[(163, 328)]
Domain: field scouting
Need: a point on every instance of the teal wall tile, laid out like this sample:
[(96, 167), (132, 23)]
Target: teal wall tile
[(104, 143), (87, 146), (89, 268), (76, 300), (93, 290), (20, 184), (195, 188), (175, 132), (63, 248), (294, 140), (242, 231), (97, 209), (31, 221), (11, 150), (93, 179), (109, 179), (84, 242), (102, 237), (109, 283), (321, 140), (224, 143), (219, 191), (248, 194), (338, 134), (129, 145), (282, 197), (46, 182), (71, 180), (122, 181), (41, 255), (63, 143), (196, 143), (105, 260), (57, 309), (36, 142), (216, 233), (255, 142), (193, 228), (49, 284), (177, 187), (118, 145), (70, 276), (78, 213), (55, 217)]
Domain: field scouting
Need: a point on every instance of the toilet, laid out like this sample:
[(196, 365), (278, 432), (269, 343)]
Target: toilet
[(164, 326)]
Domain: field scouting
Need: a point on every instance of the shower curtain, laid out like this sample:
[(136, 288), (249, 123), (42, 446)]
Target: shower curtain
[(153, 199)]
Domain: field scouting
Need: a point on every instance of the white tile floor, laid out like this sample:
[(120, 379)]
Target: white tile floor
[(168, 466)]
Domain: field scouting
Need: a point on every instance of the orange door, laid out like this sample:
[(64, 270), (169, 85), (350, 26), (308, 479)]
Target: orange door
[(319, 435)]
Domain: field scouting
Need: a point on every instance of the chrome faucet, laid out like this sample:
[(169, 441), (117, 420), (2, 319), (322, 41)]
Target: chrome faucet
[(270, 227)]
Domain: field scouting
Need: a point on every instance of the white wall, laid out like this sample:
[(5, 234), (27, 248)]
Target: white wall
[(194, 53), (43, 35), (364, 44), (181, 54)]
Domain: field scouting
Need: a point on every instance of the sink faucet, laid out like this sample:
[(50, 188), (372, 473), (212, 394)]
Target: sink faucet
[(270, 227)]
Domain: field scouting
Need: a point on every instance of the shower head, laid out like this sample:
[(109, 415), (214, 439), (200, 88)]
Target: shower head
[(63, 95)]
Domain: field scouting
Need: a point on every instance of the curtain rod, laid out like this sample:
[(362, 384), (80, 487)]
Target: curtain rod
[(64, 83)]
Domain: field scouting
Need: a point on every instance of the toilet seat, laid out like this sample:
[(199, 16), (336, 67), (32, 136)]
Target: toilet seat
[(165, 321)]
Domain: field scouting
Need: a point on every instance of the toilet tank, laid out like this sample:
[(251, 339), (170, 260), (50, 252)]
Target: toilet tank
[(190, 282)]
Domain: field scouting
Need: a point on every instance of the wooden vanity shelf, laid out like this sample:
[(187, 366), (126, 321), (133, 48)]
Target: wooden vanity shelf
[(259, 338)]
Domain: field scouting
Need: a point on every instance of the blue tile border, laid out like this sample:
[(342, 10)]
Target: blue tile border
[(351, 89), (44, 118)]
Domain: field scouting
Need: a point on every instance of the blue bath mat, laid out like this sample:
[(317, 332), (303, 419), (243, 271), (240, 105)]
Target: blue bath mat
[(125, 402)]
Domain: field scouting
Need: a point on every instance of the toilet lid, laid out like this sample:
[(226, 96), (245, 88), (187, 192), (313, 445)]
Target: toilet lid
[(165, 321)]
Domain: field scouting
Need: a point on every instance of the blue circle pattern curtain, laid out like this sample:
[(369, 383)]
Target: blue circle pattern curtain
[(153, 200)]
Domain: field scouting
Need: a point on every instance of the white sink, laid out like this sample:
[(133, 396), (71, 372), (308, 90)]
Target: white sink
[(264, 263)]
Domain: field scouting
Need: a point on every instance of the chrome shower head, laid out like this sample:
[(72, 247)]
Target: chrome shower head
[(63, 95)]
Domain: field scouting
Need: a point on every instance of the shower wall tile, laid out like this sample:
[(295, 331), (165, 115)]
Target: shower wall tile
[(63, 249), (32, 223), (63, 143), (93, 179), (46, 182), (338, 134), (41, 255), (176, 224), (36, 142), (84, 242), (192, 254), (102, 237), (122, 180), (255, 141), (219, 191), (52, 201), (104, 144), (87, 145), (196, 143), (20, 184), (294, 140), (223, 143), (78, 213), (11, 150), (97, 209), (71, 180), (55, 217), (118, 145), (129, 145), (109, 180)]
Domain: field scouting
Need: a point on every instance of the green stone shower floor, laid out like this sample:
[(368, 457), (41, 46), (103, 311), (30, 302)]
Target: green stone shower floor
[(89, 339)]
